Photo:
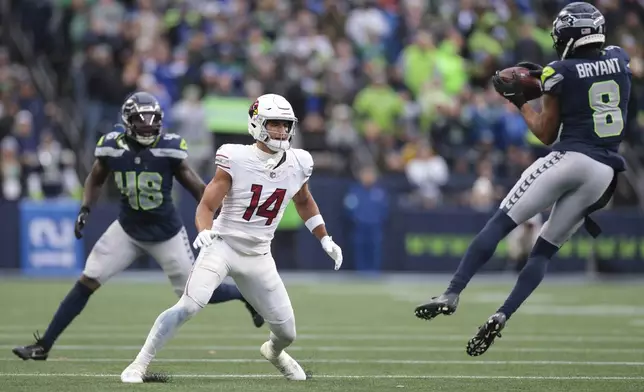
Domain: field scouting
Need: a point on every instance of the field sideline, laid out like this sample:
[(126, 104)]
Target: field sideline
[(352, 336)]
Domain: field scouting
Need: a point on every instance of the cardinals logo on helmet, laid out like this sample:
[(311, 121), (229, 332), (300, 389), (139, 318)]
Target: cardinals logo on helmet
[(254, 109)]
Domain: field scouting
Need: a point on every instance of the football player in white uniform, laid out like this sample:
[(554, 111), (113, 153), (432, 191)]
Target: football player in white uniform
[(254, 183)]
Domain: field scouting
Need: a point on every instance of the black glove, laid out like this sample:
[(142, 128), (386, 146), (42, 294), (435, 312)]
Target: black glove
[(512, 90), (80, 222), (535, 69)]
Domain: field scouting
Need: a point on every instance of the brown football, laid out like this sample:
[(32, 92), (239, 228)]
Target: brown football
[(531, 85)]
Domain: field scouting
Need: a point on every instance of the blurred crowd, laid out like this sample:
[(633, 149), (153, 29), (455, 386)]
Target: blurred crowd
[(35, 162), (399, 87)]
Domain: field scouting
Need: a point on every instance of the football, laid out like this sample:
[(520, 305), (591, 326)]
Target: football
[(531, 85)]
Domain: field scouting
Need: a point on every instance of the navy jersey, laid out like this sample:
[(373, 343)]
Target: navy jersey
[(593, 100), (144, 175)]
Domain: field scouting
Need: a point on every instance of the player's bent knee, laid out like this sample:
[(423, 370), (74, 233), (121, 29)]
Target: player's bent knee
[(90, 283), (188, 306), (201, 284)]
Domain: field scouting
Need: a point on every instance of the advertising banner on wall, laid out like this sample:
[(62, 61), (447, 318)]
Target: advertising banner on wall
[(48, 246)]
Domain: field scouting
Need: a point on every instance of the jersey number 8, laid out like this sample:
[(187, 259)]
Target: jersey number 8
[(604, 101), (143, 191)]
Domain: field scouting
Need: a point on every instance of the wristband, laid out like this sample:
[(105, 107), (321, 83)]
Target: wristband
[(314, 222)]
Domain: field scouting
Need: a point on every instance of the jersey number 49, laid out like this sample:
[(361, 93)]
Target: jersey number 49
[(269, 208)]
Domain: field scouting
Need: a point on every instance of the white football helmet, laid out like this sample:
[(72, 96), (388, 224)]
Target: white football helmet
[(271, 107)]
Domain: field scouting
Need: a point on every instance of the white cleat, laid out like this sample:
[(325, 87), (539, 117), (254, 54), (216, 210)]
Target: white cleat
[(283, 362), (133, 374)]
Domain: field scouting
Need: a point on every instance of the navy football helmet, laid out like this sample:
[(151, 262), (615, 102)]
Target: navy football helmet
[(578, 25), (142, 116)]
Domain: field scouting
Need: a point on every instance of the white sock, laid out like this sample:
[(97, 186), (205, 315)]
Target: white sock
[(164, 328)]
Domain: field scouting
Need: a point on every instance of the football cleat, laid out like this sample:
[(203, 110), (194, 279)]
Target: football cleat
[(444, 304), (133, 374), (258, 320), (35, 351), (283, 362), (484, 338)]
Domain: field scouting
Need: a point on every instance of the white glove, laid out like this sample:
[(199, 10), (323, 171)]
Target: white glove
[(204, 239), (333, 250)]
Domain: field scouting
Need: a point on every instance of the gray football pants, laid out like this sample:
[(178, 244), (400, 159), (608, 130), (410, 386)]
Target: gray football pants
[(569, 181), (116, 250)]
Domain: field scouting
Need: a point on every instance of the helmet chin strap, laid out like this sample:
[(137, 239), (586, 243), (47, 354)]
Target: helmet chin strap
[(568, 45)]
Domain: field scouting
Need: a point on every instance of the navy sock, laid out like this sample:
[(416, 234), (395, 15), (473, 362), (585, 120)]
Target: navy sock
[(530, 276), (481, 250), (69, 308), (224, 293)]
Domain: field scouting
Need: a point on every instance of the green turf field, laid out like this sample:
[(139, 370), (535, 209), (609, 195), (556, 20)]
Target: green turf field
[(352, 336)]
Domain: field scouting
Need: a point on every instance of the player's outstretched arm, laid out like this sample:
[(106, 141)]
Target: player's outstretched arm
[(210, 202), (94, 182), (308, 210), (190, 180), (91, 191), (544, 125)]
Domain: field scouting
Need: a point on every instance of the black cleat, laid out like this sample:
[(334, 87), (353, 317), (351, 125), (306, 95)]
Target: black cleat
[(34, 351), (484, 338), (258, 320), (444, 304)]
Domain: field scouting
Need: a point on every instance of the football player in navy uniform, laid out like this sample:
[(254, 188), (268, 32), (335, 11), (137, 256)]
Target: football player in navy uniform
[(144, 162), (585, 106)]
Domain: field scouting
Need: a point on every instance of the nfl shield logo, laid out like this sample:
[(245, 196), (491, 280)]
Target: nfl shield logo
[(137, 160)]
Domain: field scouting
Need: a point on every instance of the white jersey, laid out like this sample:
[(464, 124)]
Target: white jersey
[(255, 203)]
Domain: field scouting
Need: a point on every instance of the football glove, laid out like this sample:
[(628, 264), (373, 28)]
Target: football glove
[(81, 219), (333, 250), (204, 238), (534, 68), (512, 90)]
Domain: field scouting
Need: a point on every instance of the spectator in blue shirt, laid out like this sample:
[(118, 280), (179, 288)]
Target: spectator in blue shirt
[(367, 206)]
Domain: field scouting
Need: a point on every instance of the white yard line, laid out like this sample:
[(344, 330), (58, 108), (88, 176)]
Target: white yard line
[(402, 349), (332, 376), (429, 336), (422, 328), (350, 361)]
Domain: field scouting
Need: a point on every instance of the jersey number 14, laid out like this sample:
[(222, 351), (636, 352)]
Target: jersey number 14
[(269, 208)]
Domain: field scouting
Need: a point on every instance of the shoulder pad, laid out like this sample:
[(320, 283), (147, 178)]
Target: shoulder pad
[(109, 139), (305, 160), (110, 145), (172, 140), (552, 75), (225, 156), (170, 145), (619, 51)]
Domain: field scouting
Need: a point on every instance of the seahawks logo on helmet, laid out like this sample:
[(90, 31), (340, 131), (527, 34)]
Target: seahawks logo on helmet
[(566, 20)]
